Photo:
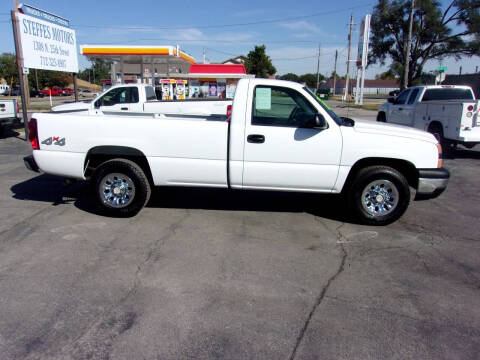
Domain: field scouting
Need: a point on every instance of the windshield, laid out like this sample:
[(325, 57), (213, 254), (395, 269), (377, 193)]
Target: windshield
[(324, 106)]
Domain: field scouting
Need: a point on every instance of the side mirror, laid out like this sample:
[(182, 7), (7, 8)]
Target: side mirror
[(391, 100), (320, 122)]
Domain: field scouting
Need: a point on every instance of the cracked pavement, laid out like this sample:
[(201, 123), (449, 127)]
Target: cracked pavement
[(212, 274)]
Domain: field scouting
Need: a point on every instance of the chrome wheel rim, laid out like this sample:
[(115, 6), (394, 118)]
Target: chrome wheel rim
[(117, 190), (380, 197)]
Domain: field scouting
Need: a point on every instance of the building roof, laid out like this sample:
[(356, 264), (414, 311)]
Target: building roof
[(217, 69), (236, 60), (376, 83)]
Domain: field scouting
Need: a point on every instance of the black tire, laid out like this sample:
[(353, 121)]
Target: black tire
[(381, 117), (382, 210), (129, 176)]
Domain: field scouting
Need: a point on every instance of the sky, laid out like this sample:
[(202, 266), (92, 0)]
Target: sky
[(291, 30)]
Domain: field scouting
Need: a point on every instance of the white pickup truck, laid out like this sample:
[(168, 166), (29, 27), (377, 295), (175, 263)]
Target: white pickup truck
[(141, 98), (450, 112), (9, 113), (280, 137)]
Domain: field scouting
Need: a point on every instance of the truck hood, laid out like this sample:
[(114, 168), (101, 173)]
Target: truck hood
[(380, 128), (76, 106)]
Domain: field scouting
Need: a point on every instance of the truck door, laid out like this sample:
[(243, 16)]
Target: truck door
[(281, 151), (408, 111), (117, 100), (397, 113)]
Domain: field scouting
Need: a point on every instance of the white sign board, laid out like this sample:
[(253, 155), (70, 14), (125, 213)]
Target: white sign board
[(263, 99), (46, 45), (363, 42)]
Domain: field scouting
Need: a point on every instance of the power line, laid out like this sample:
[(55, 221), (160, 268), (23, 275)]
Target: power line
[(221, 41), (226, 25)]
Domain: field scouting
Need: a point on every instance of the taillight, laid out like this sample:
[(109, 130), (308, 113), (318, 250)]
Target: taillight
[(229, 110), (470, 108), (33, 134), (18, 108), (440, 156)]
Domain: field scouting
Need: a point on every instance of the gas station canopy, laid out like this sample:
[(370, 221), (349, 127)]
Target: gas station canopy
[(135, 54)]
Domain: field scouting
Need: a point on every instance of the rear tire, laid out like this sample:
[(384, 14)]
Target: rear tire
[(381, 117), (378, 195), (120, 188)]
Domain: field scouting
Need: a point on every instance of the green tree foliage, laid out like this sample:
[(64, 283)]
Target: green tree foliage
[(387, 75), (259, 63), (8, 67), (438, 32), (309, 79), (99, 70), (46, 78), (290, 77)]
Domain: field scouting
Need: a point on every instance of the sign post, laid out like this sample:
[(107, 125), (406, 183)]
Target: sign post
[(42, 41), (362, 58), (21, 75)]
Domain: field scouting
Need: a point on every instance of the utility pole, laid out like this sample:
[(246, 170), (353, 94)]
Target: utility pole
[(335, 73), (409, 47), (318, 68), (348, 58), (476, 69), (204, 55), (460, 71)]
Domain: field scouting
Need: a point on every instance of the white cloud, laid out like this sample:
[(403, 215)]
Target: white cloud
[(301, 26)]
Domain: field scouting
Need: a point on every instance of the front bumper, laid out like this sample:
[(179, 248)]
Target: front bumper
[(30, 163), (432, 182)]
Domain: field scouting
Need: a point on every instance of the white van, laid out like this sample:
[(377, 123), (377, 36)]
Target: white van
[(4, 89)]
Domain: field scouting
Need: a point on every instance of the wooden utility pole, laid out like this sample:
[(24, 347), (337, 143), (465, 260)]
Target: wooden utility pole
[(318, 69), (335, 73), (409, 47), (348, 59)]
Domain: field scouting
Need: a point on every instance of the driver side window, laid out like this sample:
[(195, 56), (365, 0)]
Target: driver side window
[(279, 106), (401, 99)]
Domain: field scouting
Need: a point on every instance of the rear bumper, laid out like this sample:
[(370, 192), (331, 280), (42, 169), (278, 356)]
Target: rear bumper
[(432, 182), (30, 163)]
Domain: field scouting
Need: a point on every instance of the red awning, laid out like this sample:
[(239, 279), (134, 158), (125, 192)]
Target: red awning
[(217, 69)]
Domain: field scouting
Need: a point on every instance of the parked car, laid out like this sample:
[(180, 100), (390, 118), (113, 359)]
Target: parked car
[(54, 91), (67, 92), (449, 112), (279, 137), (36, 93)]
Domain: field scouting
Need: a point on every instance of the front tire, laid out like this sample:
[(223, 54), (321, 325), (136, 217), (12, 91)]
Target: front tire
[(120, 188), (378, 195), (381, 117)]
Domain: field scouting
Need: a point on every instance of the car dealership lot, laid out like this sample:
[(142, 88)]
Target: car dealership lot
[(217, 274)]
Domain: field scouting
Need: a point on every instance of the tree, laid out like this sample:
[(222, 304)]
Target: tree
[(290, 77), (309, 79), (387, 75), (99, 70), (8, 67), (46, 78), (259, 63), (437, 33)]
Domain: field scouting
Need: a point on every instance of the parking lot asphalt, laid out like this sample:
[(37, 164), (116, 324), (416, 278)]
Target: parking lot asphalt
[(211, 274)]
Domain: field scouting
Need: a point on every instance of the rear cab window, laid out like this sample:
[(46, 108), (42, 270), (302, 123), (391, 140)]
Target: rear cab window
[(150, 93), (447, 94)]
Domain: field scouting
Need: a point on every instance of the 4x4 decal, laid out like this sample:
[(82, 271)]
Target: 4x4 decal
[(55, 140)]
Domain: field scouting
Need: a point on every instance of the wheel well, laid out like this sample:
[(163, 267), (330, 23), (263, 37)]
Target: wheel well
[(405, 167), (98, 155), (381, 113), (434, 123)]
